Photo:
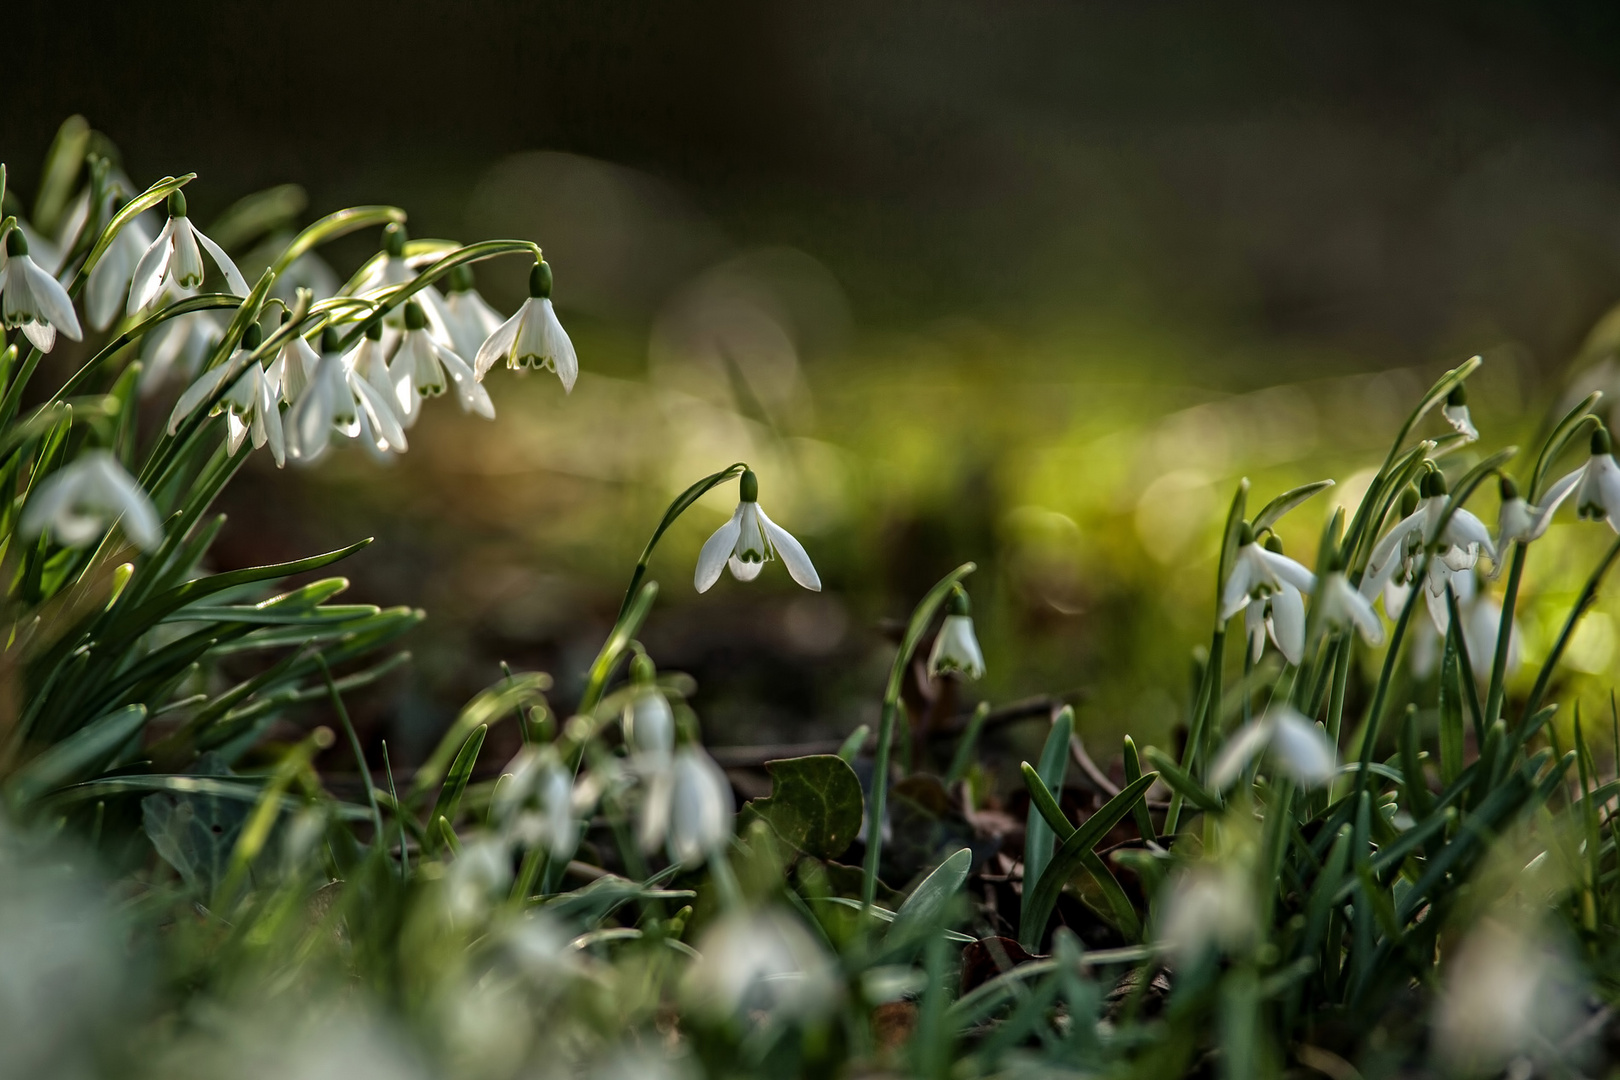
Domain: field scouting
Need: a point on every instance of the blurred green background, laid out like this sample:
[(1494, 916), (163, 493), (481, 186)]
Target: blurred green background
[(1029, 284)]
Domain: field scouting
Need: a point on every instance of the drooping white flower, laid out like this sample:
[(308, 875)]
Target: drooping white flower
[(252, 403), (105, 292), (1295, 743), (1280, 614), (393, 270), (179, 344), (297, 363), (1258, 574), (535, 803), (82, 500), (468, 318), (761, 962), (1481, 620), (748, 541), (956, 647), (649, 722), (1342, 606), (338, 401), (32, 299), (532, 337), (1596, 485), (1455, 410), (1522, 522), (688, 807), (1396, 555), (175, 256), (422, 364)]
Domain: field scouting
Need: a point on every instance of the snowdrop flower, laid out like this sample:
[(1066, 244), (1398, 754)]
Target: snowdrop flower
[(1522, 522), (536, 803), (296, 364), (32, 299), (1296, 745), (252, 404), (181, 343), (175, 257), (478, 875), (369, 361), (956, 648), (1258, 574), (393, 270), (1280, 614), (762, 961), (109, 279), (689, 806), (420, 366), (1508, 991), (338, 400), (1481, 622), (1464, 539), (1596, 484), (748, 541), (1341, 606), (532, 337), (649, 722), (81, 501), (1455, 410), (1211, 906), (468, 318)]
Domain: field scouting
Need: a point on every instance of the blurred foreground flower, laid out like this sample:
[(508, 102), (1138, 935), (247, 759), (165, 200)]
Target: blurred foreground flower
[(1296, 745), (32, 299), (689, 806), (763, 961), (109, 282), (1212, 906), (1509, 992), (81, 501), (748, 541)]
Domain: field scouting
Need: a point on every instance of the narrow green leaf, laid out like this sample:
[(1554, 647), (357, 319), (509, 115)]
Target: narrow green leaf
[(81, 753), (1181, 783), (455, 783), (963, 757), (1133, 770), (926, 909), (850, 748), (1054, 768), (1273, 511)]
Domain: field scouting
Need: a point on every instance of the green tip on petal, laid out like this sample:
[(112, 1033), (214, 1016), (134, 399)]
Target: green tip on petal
[(540, 280), (960, 604), (415, 317), (177, 204), (461, 279), (1458, 395), (330, 339), (1601, 443), (394, 237), (1508, 488), (748, 486), (252, 337), (16, 242)]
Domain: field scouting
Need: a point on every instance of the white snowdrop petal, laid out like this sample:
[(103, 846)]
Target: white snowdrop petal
[(716, 550), (794, 557), (1300, 748), (151, 270), (233, 276), (1288, 623), (1240, 749), (52, 302), (498, 346)]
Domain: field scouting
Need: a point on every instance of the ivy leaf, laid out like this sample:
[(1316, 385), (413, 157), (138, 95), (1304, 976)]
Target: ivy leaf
[(815, 803)]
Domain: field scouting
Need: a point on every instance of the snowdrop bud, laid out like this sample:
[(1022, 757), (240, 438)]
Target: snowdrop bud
[(1409, 501), (540, 281), (649, 722), (394, 237), (700, 807), (177, 204), (415, 317), (1209, 907)]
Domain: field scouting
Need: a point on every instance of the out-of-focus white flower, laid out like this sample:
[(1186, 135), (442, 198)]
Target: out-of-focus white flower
[(1296, 745), (1210, 906), (1258, 574), (478, 875), (532, 337), (32, 299), (421, 365), (108, 286), (762, 961), (1508, 992), (178, 344), (393, 270), (468, 318), (1481, 619), (1455, 410), (536, 805), (688, 805), (84, 499), (1341, 606), (649, 724), (175, 257), (748, 541), (956, 647)]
